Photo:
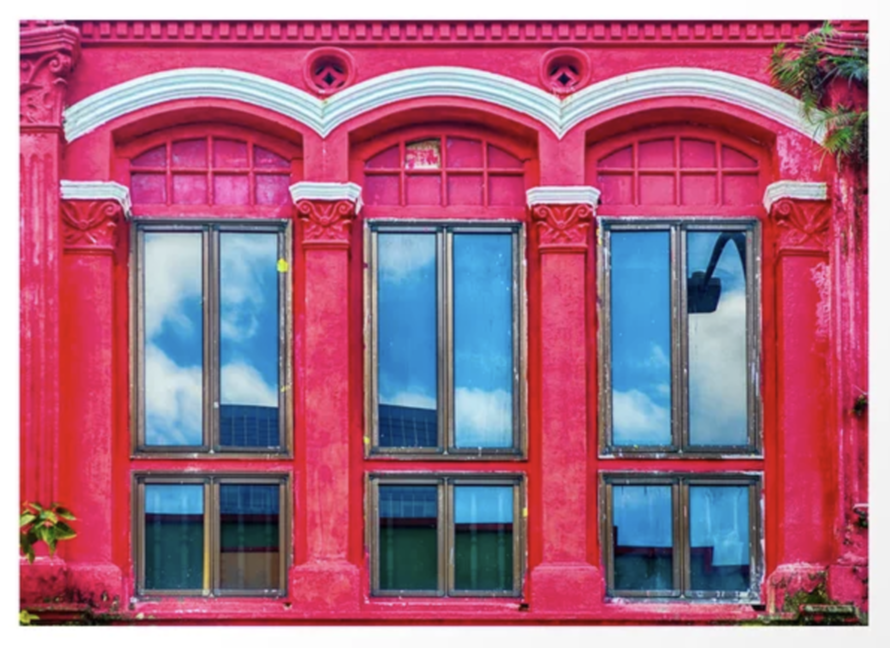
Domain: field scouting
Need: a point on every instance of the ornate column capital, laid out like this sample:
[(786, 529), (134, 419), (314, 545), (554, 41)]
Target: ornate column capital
[(91, 212), (562, 216), (47, 53), (327, 210), (801, 211)]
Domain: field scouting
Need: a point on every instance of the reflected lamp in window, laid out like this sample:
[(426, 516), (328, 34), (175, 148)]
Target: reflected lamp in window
[(211, 321), (444, 348), (679, 342), (211, 535), (683, 536), (446, 536)]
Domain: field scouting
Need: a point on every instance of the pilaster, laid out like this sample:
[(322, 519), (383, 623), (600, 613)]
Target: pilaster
[(565, 580), (327, 580)]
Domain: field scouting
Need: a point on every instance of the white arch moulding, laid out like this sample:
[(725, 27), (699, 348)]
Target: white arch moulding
[(323, 116)]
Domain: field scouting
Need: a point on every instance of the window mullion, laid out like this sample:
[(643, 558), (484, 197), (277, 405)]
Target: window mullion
[(446, 339), (679, 433), (448, 550), (284, 354), (752, 335), (212, 370), (443, 518), (681, 536), (211, 581)]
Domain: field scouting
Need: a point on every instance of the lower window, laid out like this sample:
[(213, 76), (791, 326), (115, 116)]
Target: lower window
[(446, 535), (211, 535), (682, 536)]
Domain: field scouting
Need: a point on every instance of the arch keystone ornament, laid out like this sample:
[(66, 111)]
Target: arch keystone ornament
[(562, 216), (328, 209)]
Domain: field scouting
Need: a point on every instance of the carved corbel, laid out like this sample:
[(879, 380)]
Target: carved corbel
[(562, 216), (802, 214), (327, 210)]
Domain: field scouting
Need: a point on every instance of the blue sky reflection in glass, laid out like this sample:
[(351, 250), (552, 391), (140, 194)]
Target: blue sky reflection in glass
[(640, 338), (718, 405), (483, 340), (406, 324), (642, 534), (248, 333), (718, 538), (483, 504), (174, 330), (173, 310)]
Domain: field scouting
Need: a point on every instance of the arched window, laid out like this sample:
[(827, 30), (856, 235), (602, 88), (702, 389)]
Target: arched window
[(679, 363), (212, 284), (444, 273)]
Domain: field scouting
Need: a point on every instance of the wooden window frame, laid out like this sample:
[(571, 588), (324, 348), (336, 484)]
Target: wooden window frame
[(677, 227), (210, 229), (680, 483), (445, 483), (212, 552), (444, 231)]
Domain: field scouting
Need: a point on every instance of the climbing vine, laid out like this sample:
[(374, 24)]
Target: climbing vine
[(809, 69)]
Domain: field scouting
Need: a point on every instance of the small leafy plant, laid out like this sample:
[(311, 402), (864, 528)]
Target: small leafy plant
[(808, 72), (48, 525)]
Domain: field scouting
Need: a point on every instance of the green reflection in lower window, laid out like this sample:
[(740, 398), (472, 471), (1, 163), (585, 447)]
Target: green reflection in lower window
[(483, 538), (408, 538), (174, 537)]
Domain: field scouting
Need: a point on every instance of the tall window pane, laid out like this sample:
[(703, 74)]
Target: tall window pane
[(483, 538), (406, 343), (174, 339), (249, 340), (174, 537), (640, 338), (718, 405), (642, 537), (250, 555), (718, 544), (409, 543), (483, 340)]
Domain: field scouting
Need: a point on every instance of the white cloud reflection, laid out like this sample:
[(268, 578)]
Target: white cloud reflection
[(717, 372), (173, 397), (483, 418), (639, 420), (401, 255)]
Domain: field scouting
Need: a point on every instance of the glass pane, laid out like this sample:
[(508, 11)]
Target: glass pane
[(249, 339), (642, 537), (231, 189), (174, 536), (718, 397), (483, 537), (229, 154), (406, 340), (250, 554), (409, 545), (641, 338), (483, 340), (720, 554), (190, 154), (174, 338)]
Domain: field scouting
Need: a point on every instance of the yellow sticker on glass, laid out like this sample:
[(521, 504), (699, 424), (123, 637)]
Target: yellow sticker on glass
[(283, 265)]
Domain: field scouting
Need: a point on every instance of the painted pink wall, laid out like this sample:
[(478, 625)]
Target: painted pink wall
[(75, 295)]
